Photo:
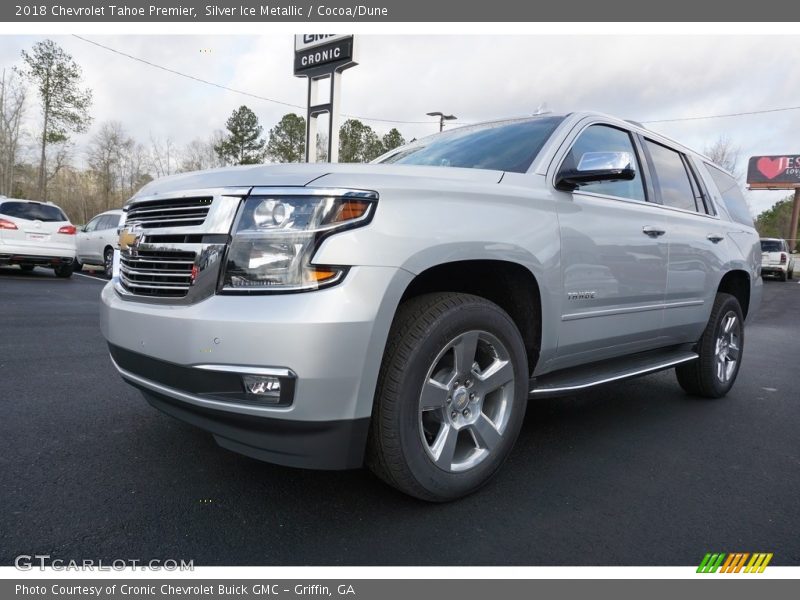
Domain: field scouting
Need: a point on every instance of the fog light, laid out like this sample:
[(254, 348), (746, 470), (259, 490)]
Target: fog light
[(263, 386)]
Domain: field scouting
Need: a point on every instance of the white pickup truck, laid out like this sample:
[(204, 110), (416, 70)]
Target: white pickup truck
[(776, 258)]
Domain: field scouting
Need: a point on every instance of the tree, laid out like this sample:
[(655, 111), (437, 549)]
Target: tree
[(65, 104), (724, 153), (287, 140), (392, 140), (12, 110), (358, 143), (107, 157), (777, 221), (162, 156), (244, 144), (199, 154)]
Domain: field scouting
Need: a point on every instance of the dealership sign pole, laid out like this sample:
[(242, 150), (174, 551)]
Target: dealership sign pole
[(778, 173), (319, 57)]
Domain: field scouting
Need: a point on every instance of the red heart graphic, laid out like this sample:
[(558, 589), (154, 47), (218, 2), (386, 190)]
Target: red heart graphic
[(771, 168)]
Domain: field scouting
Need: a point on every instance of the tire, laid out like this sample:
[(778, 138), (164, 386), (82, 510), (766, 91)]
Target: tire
[(790, 275), (720, 350), (108, 262), (433, 452), (781, 276), (77, 266), (27, 268), (64, 271)]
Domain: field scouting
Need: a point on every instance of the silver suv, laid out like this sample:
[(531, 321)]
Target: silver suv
[(401, 314)]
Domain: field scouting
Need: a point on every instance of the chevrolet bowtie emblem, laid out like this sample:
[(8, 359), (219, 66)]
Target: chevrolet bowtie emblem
[(129, 238)]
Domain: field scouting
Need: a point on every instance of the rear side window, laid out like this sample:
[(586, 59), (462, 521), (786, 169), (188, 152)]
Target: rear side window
[(32, 211), (109, 222), (731, 195), (672, 179)]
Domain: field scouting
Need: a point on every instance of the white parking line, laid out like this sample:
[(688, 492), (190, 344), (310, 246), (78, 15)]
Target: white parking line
[(92, 278)]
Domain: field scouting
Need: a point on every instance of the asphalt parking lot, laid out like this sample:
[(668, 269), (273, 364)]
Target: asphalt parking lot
[(636, 473)]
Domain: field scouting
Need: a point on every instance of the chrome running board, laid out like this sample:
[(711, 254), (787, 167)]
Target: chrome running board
[(567, 381)]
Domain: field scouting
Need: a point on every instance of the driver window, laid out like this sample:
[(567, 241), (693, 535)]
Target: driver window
[(603, 138), (92, 225)]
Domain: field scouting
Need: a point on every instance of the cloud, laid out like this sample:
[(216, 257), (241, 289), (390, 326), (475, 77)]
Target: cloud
[(403, 77)]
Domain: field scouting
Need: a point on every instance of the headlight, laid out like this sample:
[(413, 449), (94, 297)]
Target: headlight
[(275, 238)]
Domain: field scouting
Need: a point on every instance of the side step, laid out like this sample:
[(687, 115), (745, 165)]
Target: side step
[(566, 381)]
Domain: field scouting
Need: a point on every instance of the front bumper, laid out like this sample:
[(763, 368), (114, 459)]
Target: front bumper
[(331, 341)]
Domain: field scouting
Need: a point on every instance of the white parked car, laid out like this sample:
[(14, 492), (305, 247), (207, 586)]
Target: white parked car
[(36, 233), (97, 240), (776, 258)]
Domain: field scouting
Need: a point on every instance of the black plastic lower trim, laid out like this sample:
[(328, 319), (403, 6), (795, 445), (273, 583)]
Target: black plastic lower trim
[(217, 385), (329, 445)]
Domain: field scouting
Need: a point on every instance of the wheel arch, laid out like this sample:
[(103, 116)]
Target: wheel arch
[(737, 283), (508, 284)]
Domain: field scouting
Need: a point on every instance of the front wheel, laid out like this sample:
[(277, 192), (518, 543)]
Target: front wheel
[(451, 396), (108, 263), (720, 348)]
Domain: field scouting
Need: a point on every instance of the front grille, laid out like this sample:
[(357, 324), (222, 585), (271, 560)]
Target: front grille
[(159, 273), (172, 212)]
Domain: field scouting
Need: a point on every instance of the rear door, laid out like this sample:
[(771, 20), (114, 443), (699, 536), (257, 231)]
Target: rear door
[(614, 258), (697, 242), (87, 241)]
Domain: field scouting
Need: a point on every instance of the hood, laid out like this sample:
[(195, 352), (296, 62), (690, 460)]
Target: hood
[(290, 175)]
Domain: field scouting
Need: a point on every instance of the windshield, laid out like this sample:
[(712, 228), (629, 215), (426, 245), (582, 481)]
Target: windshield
[(32, 211), (771, 246), (502, 146)]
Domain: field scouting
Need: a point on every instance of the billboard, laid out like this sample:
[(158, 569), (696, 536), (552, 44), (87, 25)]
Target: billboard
[(774, 172)]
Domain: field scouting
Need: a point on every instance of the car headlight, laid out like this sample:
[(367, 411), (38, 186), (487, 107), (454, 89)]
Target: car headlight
[(275, 238)]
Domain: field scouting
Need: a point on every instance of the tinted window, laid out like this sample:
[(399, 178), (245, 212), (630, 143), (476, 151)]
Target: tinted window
[(602, 138), (731, 195), (671, 177), (772, 246), (93, 224), (109, 222), (33, 211), (504, 146)]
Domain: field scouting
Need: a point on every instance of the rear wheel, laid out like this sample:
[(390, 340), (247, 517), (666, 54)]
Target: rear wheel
[(720, 347), (781, 276), (77, 266), (451, 396), (27, 267), (108, 263), (63, 270)]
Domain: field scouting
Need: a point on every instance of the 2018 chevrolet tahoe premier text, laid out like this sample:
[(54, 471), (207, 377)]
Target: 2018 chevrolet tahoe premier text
[(402, 313)]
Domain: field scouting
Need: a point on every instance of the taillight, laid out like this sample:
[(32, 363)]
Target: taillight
[(67, 229), (4, 224), (783, 258)]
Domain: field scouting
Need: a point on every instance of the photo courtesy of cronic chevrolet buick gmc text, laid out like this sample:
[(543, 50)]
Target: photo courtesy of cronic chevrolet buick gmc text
[(401, 314)]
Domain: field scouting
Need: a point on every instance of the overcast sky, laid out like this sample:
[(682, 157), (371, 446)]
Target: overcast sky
[(402, 77)]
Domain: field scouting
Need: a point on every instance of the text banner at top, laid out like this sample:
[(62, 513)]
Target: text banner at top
[(324, 11)]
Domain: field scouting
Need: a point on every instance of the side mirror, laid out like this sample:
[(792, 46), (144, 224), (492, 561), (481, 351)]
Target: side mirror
[(595, 167)]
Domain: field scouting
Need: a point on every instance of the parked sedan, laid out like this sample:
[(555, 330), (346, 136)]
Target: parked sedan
[(96, 241), (36, 233)]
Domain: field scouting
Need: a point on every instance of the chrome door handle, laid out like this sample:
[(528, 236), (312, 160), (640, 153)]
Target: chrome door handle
[(715, 237), (652, 231)]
